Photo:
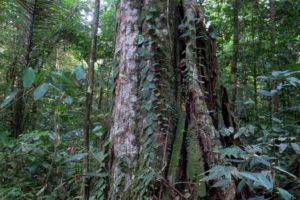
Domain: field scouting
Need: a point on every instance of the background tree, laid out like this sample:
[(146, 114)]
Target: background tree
[(89, 100)]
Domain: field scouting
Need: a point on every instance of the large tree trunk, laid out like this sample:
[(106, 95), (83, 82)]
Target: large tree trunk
[(161, 127)]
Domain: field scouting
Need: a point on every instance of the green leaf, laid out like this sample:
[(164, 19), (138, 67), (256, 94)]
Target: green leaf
[(260, 178), (265, 181), (149, 17), (61, 77), (265, 93), (9, 98), (280, 73), (40, 91), (296, 147), (76, 157), (99, 156), (293, 81), (277, 120), (28, 77), (219, 171), (68, 100), (79, 73), (282, 147), (285, 195), (143, 53), (235, 152), (246, 130), (139, 40), (222, 183)]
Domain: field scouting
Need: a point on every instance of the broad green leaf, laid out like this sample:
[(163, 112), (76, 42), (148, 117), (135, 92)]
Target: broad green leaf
[(293, 81), (265, 181), (246, 130), (219, 171), (9, 98), (40, 91), (280, 73), (277, 120), (28, 77), (285, 195), (76, 157), (260, 160), (249, 175), (260, 178), (282, 147), (296, 147), (235, 152), (79, 73)]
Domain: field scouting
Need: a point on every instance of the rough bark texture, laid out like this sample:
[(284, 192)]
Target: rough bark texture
[(161, 124), (89, 101), (124, 115)]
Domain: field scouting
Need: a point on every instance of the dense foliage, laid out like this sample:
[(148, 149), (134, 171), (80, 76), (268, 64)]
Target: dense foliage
[(46, 57)]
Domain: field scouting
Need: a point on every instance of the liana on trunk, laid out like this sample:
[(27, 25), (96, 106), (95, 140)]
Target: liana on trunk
[(162, 133)]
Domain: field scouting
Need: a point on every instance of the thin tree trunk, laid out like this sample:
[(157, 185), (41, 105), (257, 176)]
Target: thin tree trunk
[(89, 102), (19, 104), (275, 98), (234, 63), (255, 51)]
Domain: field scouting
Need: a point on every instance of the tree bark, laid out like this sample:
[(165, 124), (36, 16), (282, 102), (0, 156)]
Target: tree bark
[(161, 129), (18, 106), (89, 101)]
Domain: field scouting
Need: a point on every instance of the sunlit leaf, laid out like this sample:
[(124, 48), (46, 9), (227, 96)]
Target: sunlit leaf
[(296, 147), (285, 195), (260, 178), (282, 147), (293, 80)]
